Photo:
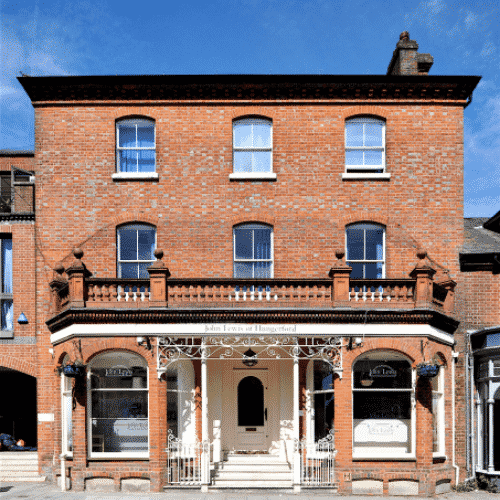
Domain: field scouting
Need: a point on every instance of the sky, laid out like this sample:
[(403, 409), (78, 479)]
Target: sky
[(111, 37)]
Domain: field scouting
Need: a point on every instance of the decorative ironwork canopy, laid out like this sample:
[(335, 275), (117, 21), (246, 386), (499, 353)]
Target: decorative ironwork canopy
[(268, 347)]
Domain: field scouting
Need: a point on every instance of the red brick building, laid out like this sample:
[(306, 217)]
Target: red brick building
[(237, 263)]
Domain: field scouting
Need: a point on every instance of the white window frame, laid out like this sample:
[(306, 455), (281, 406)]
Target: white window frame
[(136, 174), (6, 332), (253, 225), (114, 455), (128, 227), (66, 416), (270, 175), (439, 416), (381, 454), (366, 261), (366, 171)]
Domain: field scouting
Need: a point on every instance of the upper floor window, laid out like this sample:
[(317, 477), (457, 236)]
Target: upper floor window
[(135, 146), (253, 251), (365, 145), (365, 245), (6, 296), (252, 145), (135, 246), (438, 421)]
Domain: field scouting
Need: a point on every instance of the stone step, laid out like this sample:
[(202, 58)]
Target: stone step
[(18, 454), (14, 468), (226, 466), (253, 484), (19, 472)]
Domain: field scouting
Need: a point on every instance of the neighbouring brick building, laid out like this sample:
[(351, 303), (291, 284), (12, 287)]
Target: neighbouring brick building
[(237, 261)]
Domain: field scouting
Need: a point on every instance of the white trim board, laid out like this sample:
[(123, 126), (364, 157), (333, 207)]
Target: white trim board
[(251, 329)]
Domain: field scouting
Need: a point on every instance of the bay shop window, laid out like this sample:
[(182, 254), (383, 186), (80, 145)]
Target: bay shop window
[(118, 406), (320, 399), (383, 406)]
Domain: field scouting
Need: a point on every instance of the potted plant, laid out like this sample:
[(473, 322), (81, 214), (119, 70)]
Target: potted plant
[(427, 370), (76, 369)]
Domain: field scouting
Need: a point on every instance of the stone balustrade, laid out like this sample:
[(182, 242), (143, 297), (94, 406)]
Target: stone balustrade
[(79, 289)]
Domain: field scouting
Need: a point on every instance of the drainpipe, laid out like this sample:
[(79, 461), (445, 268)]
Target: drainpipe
[(454, 355), (63, 472)]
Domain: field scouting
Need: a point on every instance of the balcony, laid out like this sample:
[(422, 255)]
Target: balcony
[(257, 299)]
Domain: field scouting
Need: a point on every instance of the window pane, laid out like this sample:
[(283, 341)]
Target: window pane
[(355, 244), (120, 435), (373, 134), (172, 412), (242, 161), (261, 161), (373, 271), (323, 415), (146, 244), (120, 404), (374, 242), (354, 157), (127, 244), (353, 134), (126, 135), (381, 371), (243, 270), (262, 135), (146, 136), (6, 265), (7, 315), (373, 158), (129, 270), (357, 270), (323, 376), (262, 270), (143, 269), (250, 402), (119, 377), (243, 244), (381, 405), (127, 160), (262, 242), (146, 160), (242, 135)]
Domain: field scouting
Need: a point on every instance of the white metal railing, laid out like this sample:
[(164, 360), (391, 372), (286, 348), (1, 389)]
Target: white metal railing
[(188, 464), (314, 463)]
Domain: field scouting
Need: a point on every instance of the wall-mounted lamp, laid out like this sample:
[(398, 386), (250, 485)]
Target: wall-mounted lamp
[(22, 320), (144, 340)]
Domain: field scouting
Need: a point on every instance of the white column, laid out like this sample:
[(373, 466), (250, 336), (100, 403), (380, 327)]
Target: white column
[(205, 456), (296, 430), (479, 431), (491, 465)]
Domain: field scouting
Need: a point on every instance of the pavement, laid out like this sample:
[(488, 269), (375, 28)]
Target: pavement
[(48, 491)]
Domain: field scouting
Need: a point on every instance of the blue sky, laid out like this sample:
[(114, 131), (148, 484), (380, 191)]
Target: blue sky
[(108, 37)]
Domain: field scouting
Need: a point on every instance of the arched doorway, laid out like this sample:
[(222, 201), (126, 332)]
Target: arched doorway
[(18, 414)]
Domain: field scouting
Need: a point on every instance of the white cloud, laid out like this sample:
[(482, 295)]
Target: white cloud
[(489, 49)]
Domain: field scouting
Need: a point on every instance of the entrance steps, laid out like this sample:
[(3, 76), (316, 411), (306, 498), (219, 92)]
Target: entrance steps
[(18, 466), (253, 471)]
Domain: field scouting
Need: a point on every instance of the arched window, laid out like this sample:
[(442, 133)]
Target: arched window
[(252, 145), (383, 414), (365, 250), (365, 145), (118, 405), (321, 400), (135, 246), (135, 145), (253, 251)]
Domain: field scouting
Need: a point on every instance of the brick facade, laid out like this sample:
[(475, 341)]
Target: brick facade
[(194, 206)]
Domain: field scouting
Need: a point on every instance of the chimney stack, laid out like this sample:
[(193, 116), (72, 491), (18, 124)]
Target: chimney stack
[(406, 60)]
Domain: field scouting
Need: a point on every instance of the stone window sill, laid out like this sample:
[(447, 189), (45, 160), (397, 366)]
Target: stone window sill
[(365, 176), (253, 176), (384, 458), (135, 176)]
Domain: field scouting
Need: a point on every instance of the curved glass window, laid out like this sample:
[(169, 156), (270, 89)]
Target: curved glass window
[(118, 409), (135, 145), (382, 405)]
